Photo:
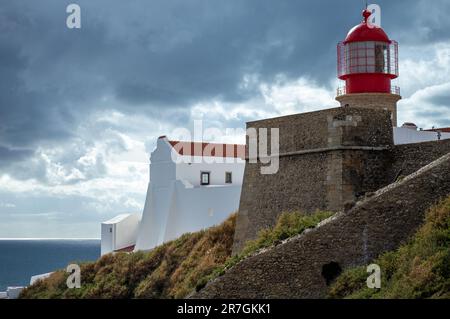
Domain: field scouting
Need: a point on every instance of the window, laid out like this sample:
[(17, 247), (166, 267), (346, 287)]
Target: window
[(371, 56), (204, 178), (228, 178)]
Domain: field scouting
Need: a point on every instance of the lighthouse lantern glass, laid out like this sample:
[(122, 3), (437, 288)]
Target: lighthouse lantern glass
[(368, 57)]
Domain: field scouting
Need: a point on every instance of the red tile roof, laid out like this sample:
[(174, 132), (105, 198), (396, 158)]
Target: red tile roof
[(128, 249), (209, 149), (444, 130)]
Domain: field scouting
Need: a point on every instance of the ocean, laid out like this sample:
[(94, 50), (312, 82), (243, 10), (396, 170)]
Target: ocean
[(22, 258)]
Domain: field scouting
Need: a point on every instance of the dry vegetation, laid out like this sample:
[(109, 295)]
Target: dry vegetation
[(418, 269), (172, 270), (169, 271)]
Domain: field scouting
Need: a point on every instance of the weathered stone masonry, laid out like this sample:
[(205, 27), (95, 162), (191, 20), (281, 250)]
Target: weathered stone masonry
[(328, 160), (377, 224), (382, 101)]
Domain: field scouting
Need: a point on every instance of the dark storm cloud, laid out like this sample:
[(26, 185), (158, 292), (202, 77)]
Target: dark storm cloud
[(7, 155), (159, 57), (440, 110), (419, 22), (441, 99), (437, 118)]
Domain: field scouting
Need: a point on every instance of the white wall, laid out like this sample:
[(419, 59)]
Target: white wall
[(167, 165), (154, 218), (35, 278), (183, 208), (176, 203), (14, 292), (191, 172), (162, 168), (107, 238), (119, 232), (403, 135), (159, 190), (126, 231), (200, 207)]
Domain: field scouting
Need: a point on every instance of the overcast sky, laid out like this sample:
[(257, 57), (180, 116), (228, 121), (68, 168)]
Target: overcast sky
[(80, 109)]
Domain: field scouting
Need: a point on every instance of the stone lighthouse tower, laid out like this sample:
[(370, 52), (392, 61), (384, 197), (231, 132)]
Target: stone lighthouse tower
[(368, 61)]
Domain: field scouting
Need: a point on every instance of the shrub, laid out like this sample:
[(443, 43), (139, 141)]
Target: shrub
[(418, 269), (172, 270), (288, 225)]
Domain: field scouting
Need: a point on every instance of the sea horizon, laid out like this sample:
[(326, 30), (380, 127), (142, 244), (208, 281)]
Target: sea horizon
[(22, 258), (50, 238)]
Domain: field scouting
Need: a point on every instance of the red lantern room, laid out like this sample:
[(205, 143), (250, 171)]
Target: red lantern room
[(367, 60)]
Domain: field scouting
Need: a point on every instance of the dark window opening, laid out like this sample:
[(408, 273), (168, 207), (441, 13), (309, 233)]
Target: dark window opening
[(228, 178), (331, 271), (204, 178)]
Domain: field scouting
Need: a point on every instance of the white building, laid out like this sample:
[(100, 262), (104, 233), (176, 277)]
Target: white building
[(119, 233), (409, 133), (35, 278), (197, 185), (11, 293), (192, 186)]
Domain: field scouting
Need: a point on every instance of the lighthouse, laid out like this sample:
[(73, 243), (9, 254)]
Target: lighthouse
[(367, 60)]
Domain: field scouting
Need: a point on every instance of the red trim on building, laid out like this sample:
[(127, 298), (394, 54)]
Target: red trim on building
[(208, 149), (443, 130), (128, 249)]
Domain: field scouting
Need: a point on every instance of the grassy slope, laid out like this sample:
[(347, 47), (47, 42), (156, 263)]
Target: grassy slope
[(172, 270), (168, 271), (418, 269)]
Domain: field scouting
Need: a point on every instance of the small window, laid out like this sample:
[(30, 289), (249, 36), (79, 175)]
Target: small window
[(228, 178), (110, 229), (204, 178)]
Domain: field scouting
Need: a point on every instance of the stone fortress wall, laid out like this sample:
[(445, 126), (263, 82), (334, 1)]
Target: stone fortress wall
[(342, 160), (380, 223), (329, 159)]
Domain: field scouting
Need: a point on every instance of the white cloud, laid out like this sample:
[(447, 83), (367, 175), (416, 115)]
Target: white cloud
[(105, 166), (7, 205), (302, 95), (107, 162), (424, 74)]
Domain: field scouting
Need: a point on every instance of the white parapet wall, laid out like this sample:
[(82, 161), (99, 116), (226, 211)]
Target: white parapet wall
[(182, 208), (119, 232), (179, 200), (14, 292), (35, 278), (198, 208), (404, 135)]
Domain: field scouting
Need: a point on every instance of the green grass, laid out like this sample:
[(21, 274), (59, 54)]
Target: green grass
[(417, 270), (172, 270)]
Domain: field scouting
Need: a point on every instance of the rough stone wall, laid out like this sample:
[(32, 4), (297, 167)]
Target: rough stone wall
[(382, 101), (264, 197), (323, 157), (331, 127), (363, 172), (408, 158), (377, 224)]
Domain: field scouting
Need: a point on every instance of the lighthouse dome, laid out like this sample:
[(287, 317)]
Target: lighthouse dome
[(366, 32)]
